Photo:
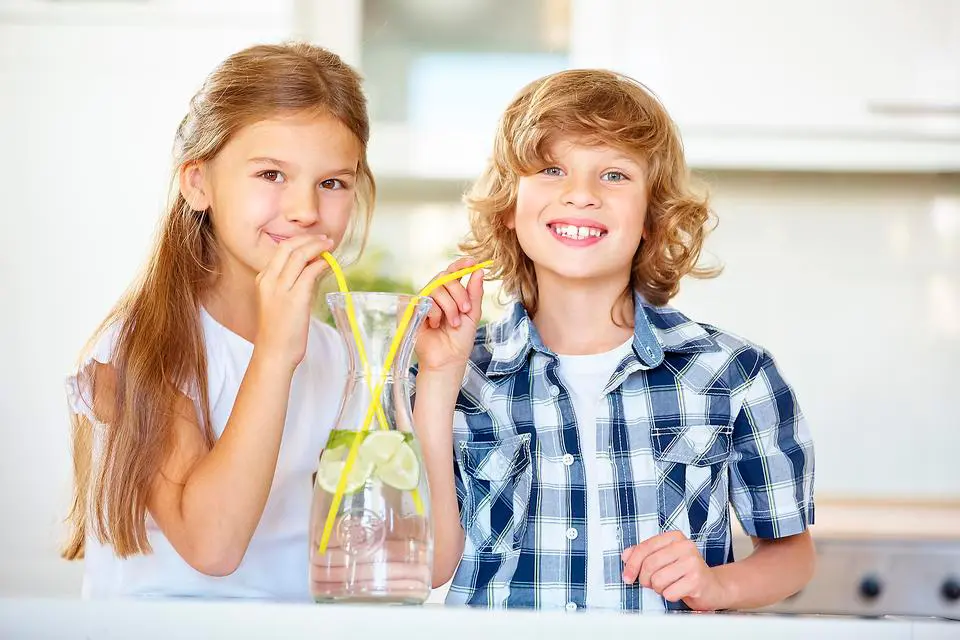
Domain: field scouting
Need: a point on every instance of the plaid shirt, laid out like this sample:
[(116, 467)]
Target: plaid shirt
[(694, 420)]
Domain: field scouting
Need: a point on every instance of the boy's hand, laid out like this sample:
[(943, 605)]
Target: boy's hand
[(446, 337), (671, 565)]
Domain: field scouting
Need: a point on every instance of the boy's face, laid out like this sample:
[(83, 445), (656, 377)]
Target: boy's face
[(581, 216)]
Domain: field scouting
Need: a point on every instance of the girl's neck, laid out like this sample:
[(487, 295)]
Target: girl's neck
[(232, 300), (583, 317)]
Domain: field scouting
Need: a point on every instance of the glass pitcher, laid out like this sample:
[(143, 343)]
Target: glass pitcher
[(377, 545)]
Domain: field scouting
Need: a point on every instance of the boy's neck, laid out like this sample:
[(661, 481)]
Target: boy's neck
[(583, 318)]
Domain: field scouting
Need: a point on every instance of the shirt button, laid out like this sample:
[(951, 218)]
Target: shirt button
[(567, 459), (649, 351), (572, 533), (554, 390), (571, 606)]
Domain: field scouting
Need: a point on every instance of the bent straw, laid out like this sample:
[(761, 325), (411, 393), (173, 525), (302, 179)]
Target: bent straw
[(375, 401), (362, 354)]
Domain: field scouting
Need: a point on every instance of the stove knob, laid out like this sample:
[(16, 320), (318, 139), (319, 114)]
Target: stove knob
[(950, 590), (870, 587)]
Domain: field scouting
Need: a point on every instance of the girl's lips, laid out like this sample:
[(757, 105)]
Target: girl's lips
[(276, 238)]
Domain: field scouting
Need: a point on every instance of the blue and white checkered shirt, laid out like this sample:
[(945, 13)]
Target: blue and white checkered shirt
[(693, 420)]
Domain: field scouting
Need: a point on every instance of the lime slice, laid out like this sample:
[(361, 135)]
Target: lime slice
[(402, 471), (379, 446), (332, 463)]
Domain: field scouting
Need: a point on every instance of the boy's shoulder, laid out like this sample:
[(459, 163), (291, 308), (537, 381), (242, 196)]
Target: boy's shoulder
[(706, 355)]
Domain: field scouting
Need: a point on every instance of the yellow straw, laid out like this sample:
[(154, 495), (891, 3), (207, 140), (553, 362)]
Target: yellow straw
[(374, 406), (352, 321), (362, 354)]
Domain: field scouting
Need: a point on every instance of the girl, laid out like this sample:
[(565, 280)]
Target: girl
[(600, 436), (206, 395)]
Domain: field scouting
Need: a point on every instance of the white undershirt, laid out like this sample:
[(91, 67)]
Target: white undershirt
[(585, 378)]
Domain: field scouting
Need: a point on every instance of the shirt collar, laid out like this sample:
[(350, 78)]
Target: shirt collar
[(657, 331)]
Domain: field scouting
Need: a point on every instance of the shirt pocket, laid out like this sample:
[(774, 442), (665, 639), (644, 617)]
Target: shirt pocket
[(697, 445), (498, 478), (692, 479)]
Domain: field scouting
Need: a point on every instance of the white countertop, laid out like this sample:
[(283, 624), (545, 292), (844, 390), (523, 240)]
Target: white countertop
[(29, 618)]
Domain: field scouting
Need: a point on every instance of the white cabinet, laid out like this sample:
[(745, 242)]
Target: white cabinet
[(859, 84)]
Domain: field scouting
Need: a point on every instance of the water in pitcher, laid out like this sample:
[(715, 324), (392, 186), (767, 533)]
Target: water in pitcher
[(371, 535)]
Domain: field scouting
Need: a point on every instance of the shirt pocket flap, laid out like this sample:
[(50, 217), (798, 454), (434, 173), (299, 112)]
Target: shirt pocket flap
[(498, 460), (696, 445)]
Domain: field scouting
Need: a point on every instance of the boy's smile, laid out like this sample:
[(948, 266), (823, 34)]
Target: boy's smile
[(577, 232)]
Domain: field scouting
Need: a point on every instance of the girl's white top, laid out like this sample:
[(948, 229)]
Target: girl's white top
[(276, 563)]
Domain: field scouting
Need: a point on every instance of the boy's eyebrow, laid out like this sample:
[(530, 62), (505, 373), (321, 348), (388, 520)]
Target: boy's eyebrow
[(634, 161)]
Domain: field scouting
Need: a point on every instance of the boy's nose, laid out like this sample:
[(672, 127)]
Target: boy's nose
[(581, 195)]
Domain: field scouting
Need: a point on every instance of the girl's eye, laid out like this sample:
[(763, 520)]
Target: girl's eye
[(555, 172), (272, 175), (614, 176), (333, 184)]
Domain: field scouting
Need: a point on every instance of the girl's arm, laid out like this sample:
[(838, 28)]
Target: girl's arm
[(208, 503)]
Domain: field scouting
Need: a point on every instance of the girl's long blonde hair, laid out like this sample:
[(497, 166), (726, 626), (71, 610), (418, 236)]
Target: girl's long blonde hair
[(159, 348)]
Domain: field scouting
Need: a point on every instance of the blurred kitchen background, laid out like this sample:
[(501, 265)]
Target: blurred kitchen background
[(829, 133)]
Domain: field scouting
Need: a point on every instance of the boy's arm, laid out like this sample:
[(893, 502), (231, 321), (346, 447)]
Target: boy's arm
[(771, 488), (775, 570), (436, 398)]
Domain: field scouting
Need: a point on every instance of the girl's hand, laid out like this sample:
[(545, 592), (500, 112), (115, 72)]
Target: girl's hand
[(446, 338), (285, 289)]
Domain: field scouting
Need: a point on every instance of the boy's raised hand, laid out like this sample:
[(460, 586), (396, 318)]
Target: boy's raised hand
[(446, 337), (671, 565)]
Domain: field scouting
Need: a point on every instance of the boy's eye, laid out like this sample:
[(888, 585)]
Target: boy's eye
[(614, 176), (333, 184), (272, 175), (552, 171)]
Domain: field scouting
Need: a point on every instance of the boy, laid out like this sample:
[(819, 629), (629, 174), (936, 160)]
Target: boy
[(593, 439)]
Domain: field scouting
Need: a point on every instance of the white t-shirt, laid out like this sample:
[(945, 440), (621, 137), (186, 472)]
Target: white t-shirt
[(585, 378), (276, 562)]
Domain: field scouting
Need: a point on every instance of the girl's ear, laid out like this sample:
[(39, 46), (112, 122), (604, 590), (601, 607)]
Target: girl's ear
[(193, 186)]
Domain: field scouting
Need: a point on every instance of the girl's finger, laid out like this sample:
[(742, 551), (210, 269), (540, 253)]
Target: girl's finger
[(279, 260), (300, 256)]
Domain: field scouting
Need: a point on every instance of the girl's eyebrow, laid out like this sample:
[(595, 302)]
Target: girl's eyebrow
[(265, 159)]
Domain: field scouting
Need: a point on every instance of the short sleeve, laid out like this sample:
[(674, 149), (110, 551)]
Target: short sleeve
[(772, 467), (79, 384)]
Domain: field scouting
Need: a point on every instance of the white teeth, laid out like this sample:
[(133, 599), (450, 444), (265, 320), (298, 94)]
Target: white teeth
[(576, 233)]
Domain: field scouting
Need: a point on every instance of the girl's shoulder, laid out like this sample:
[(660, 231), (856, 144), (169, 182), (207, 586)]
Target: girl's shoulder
[(79, 383)]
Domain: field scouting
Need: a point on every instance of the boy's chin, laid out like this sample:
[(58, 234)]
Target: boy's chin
[(597, 275)]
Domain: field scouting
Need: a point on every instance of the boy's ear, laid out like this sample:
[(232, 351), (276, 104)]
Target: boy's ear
[(193, 186)]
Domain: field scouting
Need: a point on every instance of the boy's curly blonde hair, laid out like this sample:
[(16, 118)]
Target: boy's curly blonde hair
[(596, 107)]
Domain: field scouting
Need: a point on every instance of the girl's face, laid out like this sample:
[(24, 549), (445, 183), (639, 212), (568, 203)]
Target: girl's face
[(276, 179)]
